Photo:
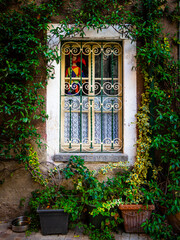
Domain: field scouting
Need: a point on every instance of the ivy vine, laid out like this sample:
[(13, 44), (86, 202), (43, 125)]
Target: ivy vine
[(23, 56), (24, 53)]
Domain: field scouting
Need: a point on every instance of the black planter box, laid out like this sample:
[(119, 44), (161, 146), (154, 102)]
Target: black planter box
[(53, 221)]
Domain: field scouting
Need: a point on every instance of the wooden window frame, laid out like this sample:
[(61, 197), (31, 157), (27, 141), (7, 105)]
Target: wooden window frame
[(96, 147)]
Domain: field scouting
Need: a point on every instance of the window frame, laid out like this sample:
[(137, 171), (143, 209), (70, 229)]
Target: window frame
[(82, 147), (129, 99)]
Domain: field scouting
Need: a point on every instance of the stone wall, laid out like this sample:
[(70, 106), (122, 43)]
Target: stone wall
[(17, 187)]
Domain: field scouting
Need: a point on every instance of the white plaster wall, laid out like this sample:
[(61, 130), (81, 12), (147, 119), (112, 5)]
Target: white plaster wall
[(52, 107), (130, 95), (130, 99), (109, 33)]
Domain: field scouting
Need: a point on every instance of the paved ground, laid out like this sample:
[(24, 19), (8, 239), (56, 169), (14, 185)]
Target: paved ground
[(7, 234)]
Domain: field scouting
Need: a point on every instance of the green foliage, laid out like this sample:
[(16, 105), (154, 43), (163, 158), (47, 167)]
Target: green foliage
[(87, 190), (87, 185), (33, 166), (23, 55), (160, 71), (57, 198), (96, 234), (158, 228), (104, 196)]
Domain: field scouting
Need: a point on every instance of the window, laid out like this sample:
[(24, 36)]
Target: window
[(91, 97), (58, 141)]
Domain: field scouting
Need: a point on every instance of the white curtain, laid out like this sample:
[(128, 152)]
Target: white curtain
[(75, 119)]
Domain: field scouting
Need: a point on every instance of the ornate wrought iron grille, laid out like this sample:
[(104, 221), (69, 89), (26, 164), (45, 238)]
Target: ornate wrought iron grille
[(91, 97)]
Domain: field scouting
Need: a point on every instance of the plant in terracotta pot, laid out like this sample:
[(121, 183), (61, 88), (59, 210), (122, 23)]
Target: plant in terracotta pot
[(137, 204), (139, 188), (135, 212)]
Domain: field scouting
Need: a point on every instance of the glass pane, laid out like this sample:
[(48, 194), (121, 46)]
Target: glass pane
[(98, 66), (75, 127), (98, 128), (106, 126), (83, 120), (84, 127), (73, 87), (111, 88), (76, 64), (110, 64)]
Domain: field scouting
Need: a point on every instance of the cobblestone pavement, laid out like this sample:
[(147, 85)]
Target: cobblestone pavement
[(8, 234)]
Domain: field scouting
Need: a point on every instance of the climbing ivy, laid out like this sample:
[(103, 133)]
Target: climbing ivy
[(24, 64), (23, 55)]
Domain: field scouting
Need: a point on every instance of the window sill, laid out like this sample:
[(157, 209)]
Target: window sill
[(93, 157)]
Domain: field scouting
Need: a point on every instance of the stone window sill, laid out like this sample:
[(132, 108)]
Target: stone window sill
[(92, 157)]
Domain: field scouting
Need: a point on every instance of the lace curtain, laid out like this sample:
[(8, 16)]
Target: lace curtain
[(106, 131)]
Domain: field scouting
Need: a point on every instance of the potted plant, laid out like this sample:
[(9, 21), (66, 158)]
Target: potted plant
[(94, 198), (55, 207), (53, 221), (134, 215), (97, 197), (136, 206), (101, 207)]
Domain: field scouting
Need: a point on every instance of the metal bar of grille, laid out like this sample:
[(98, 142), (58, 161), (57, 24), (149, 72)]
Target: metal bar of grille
[(81, 103), (70, 68), (112, 82), (91, 70), (101, 97), (112, 127), (60, 105), (92, 105), (70, 123), (91, 145), (112, 69)]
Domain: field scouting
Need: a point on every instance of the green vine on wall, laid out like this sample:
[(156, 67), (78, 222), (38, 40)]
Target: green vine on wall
[(23, 57), (24, 53)]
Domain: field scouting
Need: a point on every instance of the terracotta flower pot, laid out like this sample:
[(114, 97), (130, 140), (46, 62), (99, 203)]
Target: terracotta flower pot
[(134, 216)]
